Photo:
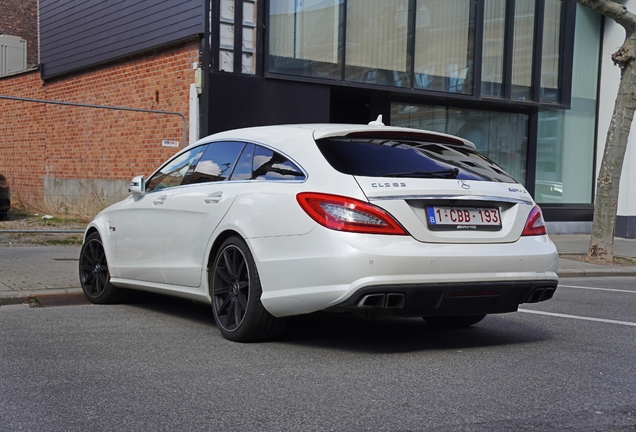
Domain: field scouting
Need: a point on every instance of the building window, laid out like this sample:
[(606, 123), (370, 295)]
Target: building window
[(551, 51), (237, 36), (444, 32), (502, 137), (493, 48), (523, 50), (304, 38), (377, 33), (565, 142), (427, 45)]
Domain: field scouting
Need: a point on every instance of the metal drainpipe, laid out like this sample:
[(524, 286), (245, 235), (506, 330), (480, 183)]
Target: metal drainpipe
[(185, 122)]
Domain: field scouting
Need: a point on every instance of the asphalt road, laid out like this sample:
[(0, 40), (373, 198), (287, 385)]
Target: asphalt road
[(160, 364)]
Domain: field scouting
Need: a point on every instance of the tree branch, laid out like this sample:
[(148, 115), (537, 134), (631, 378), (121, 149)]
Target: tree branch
[(615, 11), (626, 54)]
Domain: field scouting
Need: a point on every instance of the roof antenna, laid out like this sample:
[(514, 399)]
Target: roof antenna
[(377, 122)]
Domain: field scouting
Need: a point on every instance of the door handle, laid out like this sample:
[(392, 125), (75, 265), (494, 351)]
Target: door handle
[(214, 198), (160, 200)]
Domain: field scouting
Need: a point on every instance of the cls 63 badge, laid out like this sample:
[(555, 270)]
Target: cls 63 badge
[(388, 185)]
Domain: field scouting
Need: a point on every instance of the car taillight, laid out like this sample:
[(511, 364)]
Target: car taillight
[(348, 214), (535, 225)]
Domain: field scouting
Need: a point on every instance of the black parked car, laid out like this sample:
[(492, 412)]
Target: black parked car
[(5, 197)]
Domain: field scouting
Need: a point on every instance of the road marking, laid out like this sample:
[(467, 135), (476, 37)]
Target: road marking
[(627, 323), (597, 289)]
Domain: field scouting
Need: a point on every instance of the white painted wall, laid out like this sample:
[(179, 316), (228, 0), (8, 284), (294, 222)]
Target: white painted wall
[(610, 76)]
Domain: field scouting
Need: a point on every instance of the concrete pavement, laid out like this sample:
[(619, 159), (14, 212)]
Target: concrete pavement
[(32, 271), (579, 244)]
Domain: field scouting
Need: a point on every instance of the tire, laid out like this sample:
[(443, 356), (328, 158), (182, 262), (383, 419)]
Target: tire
[(94, 274), (454, 321), (235, 290)]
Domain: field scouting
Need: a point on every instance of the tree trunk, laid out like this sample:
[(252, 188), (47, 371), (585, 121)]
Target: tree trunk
[(607, 184)]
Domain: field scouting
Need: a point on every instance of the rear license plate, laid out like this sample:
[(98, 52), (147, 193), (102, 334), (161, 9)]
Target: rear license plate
[(463, 218)]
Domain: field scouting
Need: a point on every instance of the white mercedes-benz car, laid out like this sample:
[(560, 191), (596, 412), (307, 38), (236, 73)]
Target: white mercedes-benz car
[(268, 222)]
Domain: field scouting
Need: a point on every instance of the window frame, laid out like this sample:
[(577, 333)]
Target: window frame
[(566, 45), (246, 143)]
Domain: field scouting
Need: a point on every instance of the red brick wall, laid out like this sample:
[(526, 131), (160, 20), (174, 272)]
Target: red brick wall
[(38, 140), (22, 138)]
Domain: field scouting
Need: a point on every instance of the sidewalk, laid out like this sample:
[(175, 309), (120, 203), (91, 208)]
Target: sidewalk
[(579, 244), (36, 271), (32, 271)]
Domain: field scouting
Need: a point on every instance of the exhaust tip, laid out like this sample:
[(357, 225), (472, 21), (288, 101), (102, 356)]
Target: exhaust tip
[(372, 301), (549, 293), (395, 301), (382, 301), (541, 294)]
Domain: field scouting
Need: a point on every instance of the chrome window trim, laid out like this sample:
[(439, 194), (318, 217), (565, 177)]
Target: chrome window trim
[(452, 197)]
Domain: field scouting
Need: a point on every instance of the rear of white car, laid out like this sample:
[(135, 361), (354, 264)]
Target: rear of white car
[(465, 240)]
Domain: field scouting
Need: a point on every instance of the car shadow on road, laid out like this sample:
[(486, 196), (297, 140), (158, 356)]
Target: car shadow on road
[(396, 335), (174, 306), (351, 333)]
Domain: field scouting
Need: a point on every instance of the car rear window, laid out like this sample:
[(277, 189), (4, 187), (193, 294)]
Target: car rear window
[(406, 158)]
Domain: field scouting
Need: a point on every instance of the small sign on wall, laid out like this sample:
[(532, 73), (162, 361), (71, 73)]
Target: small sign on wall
[(168, 143)]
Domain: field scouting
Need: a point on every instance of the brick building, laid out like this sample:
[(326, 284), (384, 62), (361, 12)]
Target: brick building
[(520, 78), (81, 158)]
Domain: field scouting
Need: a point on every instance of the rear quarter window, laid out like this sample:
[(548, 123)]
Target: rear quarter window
[(270, 165)]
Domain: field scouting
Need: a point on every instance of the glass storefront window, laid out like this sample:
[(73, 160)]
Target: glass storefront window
[(502, 137), (493, 48), (304, 38), (425, 45), (376, 49), (565, 145), (551, 51), (444, 45), (523, 43)]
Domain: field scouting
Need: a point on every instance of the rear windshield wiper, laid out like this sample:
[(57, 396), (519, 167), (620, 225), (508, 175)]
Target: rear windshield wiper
[(449, 174)]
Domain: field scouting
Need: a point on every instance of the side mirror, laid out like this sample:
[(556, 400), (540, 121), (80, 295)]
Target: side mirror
[(137, 186)]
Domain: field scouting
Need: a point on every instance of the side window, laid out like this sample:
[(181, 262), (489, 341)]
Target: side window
[(172, 173), (216, 163), (243, 169), (269, 165)]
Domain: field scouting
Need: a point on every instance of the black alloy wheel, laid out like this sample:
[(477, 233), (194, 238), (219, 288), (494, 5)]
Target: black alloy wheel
[(235, 290), (231, 287), (94, 274)]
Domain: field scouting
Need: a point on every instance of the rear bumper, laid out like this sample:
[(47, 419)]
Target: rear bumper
[(330, 270), (448, 298)]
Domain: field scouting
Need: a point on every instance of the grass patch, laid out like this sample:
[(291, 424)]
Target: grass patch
[(34, 302), (32, 214), (625, 261), (20, 218), (76, 240), (56, 221)]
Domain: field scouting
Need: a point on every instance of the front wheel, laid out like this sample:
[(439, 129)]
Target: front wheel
[(94, 274), (235, 289), (454, 321)]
